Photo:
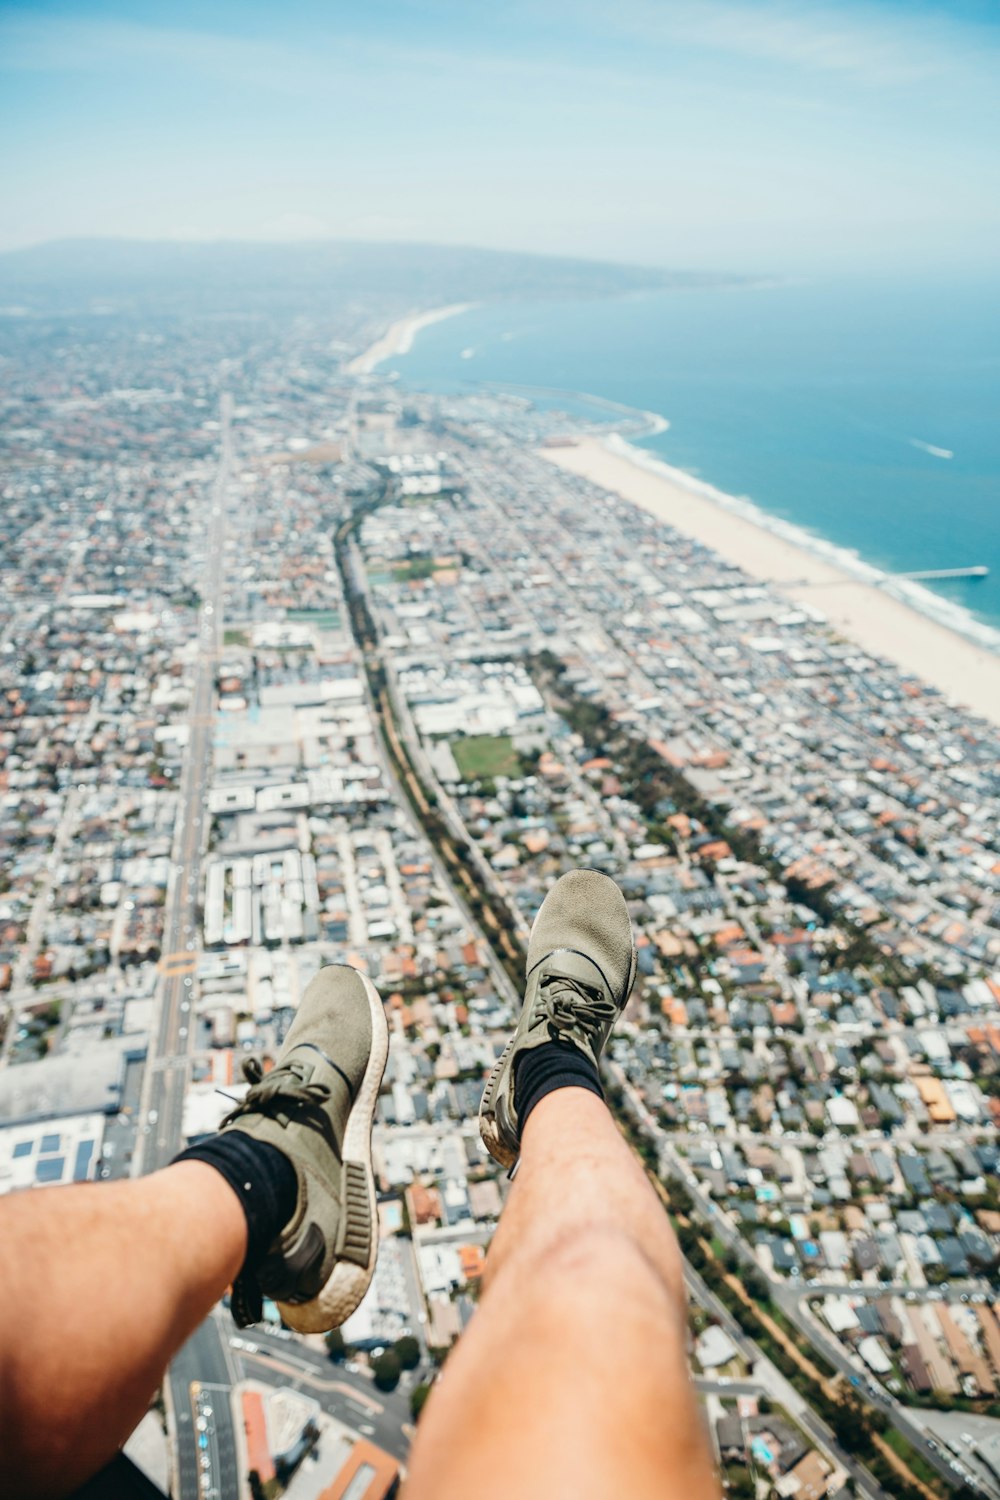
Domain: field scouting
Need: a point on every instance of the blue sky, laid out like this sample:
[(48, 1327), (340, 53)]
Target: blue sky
[(747, 134)]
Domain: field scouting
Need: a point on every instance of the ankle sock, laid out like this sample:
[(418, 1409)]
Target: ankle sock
[(553, 1065), (262, 1178)]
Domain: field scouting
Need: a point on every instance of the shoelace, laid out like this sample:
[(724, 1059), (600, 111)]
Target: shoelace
[(566, 1003), (284, 1087)]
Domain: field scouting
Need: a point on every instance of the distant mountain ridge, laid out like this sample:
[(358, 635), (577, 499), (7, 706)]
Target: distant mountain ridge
[(139, 274)]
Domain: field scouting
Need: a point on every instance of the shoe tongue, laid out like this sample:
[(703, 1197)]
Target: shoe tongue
[(305, 1065), (566, 963)]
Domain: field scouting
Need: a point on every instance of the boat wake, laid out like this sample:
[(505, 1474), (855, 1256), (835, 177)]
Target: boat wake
[(931, 449)]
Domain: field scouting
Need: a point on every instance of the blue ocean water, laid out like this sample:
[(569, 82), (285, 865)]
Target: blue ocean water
[(832, 405)]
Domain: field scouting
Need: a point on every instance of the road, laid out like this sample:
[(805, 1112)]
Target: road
[(203, 1358), (350, 1398), (957, 1291), (201, 1373), (711, 1385), (167, 1063), (415, 1293)]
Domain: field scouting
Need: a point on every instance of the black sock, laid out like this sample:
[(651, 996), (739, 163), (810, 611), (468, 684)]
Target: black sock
[(553, 1065), (262, 1178)]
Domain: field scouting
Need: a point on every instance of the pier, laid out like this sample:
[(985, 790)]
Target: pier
[(978, 571)]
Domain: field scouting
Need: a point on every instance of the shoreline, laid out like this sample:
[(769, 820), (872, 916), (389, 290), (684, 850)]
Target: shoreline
[(398, 337), (892, 620)]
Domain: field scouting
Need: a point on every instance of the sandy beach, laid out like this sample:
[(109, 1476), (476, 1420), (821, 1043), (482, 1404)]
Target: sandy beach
[(862, 612), (398, 337)]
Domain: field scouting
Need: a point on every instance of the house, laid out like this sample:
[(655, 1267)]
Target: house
[(714, 1348), (729, 1437), (807, 1481)]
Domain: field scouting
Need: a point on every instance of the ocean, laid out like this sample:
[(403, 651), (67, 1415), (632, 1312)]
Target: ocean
[(866, 414)]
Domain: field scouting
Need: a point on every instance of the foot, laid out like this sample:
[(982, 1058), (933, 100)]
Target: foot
[(580, 971), (316, 1106)]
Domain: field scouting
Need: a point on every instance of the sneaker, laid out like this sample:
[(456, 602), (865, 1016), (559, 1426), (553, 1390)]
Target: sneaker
[(316, 1106), (580, 972)]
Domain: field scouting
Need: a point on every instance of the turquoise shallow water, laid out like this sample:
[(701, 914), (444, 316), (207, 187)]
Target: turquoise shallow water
[(820, 402)]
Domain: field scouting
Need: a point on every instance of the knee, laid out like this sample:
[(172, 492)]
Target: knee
[(587, 1251), (597, 1265), (606, 1255)]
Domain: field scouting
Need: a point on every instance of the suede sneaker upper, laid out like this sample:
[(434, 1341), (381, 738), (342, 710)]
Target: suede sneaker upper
[(580, 971), (316, 1107)]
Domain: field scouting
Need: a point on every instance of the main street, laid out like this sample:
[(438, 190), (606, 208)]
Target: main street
[(200, 1378), (167, 1063), (203, 1359)]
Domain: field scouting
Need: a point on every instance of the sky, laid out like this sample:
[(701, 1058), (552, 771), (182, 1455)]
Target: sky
[(751, 135)]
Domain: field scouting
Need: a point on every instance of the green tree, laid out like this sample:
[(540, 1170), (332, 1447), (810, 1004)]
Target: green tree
[(851, 1427), (680, 1199), (739, 1482), (386, 1369), (407, 1352), (335, 1346), (418, 1397)]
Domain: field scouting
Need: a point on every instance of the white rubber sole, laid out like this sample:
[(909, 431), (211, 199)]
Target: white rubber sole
[(487, 1114), (348, 1283)]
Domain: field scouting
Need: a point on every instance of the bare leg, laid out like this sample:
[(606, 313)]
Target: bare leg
[(572, 1377), (102, 1284)]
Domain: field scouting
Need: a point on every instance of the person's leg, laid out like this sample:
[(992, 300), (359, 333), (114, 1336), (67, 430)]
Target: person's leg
[(102, 1284), (572, 1377)]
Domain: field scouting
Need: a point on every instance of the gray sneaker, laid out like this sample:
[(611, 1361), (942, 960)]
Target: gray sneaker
[(316, 1106), (580, 971)]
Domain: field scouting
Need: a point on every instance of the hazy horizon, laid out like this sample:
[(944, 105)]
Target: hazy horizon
[(764, 137)]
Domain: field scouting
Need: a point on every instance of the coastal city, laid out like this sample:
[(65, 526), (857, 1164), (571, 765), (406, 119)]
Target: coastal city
[(303, 666)]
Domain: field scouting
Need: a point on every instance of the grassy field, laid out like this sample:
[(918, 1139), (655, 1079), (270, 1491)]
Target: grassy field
[(482, 756), (415, 568), (323, 619)]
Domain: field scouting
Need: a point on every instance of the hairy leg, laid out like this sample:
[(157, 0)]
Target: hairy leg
[(572, 1377), (106, 1281)]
